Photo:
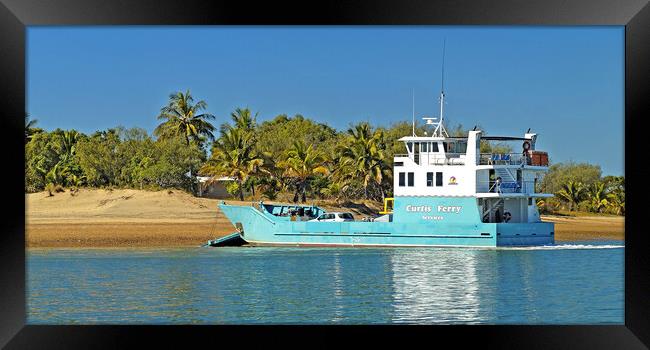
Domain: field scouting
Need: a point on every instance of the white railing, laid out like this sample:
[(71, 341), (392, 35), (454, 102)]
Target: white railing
[(460, 159), (505, 187), (435, 158), (503, 159)]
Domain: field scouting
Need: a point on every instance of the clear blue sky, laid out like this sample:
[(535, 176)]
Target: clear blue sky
[(566, 83)]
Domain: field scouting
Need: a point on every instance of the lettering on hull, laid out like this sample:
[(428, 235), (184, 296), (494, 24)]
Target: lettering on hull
[(427, 209), (449, 209)]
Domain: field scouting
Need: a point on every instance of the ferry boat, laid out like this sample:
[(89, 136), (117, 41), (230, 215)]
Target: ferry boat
[(446, 193)]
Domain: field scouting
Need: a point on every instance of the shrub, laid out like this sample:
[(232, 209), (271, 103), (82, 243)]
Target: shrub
[(232, 187), (49, 188)]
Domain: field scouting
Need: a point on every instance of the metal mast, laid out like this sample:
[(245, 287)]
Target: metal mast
[(440, 130), (413, 109)]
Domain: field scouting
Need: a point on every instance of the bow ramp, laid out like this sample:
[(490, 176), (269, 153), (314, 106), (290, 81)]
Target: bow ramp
[(231, 240)]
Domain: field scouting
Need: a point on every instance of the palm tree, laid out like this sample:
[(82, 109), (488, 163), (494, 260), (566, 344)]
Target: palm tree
[(361, 132), (616, 202), (572, 193), (301, 163), (270, 186), (363, 158), (243, 120), (273, 180), (182, 118), (68, 144), (66, 168), (30, 128), (597, 197), (333, 190), (233, 155)]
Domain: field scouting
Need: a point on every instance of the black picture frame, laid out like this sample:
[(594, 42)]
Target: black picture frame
[(15, 15)]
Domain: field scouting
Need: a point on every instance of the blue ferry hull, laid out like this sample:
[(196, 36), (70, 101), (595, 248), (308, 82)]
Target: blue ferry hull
[(412, 226)]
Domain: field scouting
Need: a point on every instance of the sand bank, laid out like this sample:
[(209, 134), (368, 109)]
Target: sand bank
[(133, 218)]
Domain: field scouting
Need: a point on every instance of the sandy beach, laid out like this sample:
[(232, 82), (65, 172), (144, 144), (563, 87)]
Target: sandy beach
[(134, 218)]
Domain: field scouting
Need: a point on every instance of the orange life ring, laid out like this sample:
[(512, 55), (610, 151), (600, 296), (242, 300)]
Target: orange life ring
[(526, 145)]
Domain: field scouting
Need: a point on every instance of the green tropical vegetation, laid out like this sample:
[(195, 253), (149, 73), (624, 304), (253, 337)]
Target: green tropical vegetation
[(581, 187), (289, 158), (363, 163), (300, 164), (234, 153)]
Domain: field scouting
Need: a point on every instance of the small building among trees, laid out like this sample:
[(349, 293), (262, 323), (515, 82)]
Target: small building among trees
[(210, 187)]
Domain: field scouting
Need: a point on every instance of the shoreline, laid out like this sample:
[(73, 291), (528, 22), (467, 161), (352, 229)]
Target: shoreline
[(183, 234), (168, 219)]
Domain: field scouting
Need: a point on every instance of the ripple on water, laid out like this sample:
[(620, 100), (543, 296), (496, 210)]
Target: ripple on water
[(569, 283)]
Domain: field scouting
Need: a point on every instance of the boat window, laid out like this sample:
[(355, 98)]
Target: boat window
[(445, 146), (438, 179), (423, 146), (402, 180), (429, 179), (411, 179), (434, 147), (530, 200), (346, 216), (409, 147), (461, 147)]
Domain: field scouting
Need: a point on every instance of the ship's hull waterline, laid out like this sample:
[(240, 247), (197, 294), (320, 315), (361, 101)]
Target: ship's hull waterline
[(411, 228)]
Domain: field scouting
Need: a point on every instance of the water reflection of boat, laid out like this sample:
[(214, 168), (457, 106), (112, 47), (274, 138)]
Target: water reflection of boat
[(440, 286)]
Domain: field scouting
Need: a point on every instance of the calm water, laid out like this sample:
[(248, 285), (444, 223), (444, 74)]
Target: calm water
[(578, 283)]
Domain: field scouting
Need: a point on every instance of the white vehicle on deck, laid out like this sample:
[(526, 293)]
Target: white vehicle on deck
[(334, 217)]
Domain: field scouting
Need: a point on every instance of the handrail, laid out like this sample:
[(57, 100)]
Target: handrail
[(436, 158), (459, 159), (431, 154), (506, 187), (503, 159), (386, 201)]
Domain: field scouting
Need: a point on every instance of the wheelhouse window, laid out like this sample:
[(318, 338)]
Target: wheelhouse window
[(402, 179), (429, 179), (434, 147), (423, 146), (438, 179), (460, 147), (411, 179)]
